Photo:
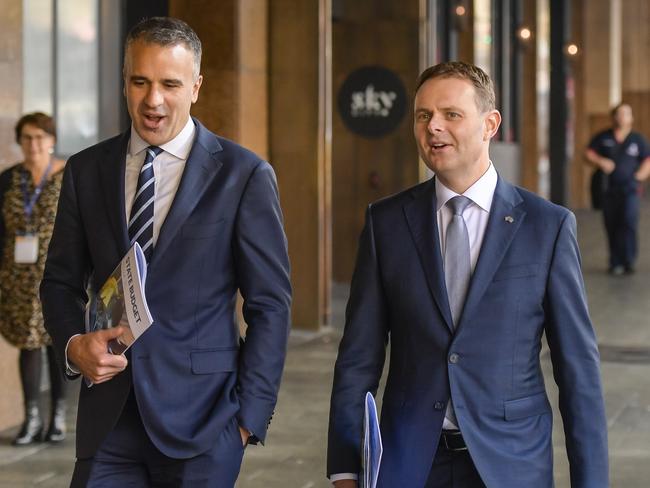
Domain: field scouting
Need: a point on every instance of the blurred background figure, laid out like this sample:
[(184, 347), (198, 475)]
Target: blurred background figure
[(29, 193), (623, 158)]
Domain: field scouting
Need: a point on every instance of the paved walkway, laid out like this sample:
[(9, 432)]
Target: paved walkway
[(295, 453)]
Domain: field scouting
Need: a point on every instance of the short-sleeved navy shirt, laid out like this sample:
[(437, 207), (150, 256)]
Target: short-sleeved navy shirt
[(627, 155)]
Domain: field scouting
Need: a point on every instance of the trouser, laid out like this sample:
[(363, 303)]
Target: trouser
[(453, 469), (128, 458), (621, 216)]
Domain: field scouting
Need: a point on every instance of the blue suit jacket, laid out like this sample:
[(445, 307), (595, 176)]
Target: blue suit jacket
[(223, 232), (527, 282)]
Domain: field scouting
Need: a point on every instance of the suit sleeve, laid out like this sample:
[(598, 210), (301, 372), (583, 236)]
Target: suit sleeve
[(262, 266), (576, 363), (63, 288), (361, 357)]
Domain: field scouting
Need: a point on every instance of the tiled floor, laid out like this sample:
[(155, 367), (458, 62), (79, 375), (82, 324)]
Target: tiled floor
[(296, 444)]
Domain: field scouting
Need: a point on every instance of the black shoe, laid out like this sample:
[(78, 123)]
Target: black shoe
[(32, 429), (56, 431), (629, 269)]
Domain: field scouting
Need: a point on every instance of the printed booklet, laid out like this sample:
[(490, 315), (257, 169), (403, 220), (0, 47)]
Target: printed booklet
[(121, 301)]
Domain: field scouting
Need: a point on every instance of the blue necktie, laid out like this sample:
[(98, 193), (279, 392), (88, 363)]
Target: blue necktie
[(141, 221), (458, 268)]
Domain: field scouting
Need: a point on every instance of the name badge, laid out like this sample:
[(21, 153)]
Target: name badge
[(26, 249)]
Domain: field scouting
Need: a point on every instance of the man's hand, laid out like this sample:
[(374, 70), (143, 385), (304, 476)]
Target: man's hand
[(346, 484), (244, 435), (89, 354)]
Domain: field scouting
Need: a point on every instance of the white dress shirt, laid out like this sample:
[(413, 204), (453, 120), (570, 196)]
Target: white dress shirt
[(476, 216), (167, 167)]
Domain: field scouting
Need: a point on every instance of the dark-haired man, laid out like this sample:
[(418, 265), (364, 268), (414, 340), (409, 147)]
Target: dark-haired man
[(180, 410), (463, 274)]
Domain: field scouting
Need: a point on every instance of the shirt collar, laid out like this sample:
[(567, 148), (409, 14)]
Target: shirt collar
[(481, 192), (180, 146)]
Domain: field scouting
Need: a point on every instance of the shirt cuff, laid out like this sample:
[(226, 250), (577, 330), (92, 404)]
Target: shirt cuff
[(70, 370), (343, 476)]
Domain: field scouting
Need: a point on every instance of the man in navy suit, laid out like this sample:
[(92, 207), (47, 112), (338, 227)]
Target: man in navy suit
[(465, 403), (180, 408)]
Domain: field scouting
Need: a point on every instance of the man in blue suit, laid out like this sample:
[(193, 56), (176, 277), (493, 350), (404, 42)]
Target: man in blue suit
[(180, 408), (463, 274)]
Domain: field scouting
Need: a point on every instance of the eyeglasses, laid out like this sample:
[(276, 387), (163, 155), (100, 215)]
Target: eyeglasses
[(27, 139)]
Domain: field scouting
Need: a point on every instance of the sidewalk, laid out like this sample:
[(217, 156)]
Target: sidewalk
[(294, 456)]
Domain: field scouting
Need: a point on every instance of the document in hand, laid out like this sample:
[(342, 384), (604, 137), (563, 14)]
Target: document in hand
[(372, 446), (121, 301)]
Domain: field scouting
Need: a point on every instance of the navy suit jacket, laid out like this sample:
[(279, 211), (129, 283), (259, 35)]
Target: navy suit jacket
[(223, 233), (527, 282)]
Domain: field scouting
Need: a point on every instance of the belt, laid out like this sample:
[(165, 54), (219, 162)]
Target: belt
[(452, 440)]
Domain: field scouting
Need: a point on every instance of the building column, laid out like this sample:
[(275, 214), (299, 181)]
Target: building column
[(300, 147), (11, 96), (234, 96), (528, 119), (635, 75), (558, 140), (264, 67), (597, 31)]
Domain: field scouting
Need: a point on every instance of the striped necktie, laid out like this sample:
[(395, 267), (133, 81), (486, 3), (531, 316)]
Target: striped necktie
[(141, 221)]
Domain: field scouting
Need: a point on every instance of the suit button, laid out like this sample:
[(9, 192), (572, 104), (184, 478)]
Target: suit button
[(453, 358), (438, 406)]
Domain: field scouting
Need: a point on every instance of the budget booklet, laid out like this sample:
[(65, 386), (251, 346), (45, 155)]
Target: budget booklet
[(121, 301)]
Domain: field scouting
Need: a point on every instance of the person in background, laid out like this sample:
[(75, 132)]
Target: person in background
[(29, 192), (624, 157)]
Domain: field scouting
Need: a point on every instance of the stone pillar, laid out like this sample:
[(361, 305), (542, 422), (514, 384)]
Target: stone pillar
[(597, 30), (300, 140), (635, 79), (233, 100), (11, 70), (381, 33), (529, 120), (601, 63)]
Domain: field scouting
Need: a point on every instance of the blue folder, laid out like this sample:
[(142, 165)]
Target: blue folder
[(372, 446)]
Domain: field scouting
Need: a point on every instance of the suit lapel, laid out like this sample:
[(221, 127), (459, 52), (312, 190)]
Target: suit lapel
[(112, 171), (421, 217), (200, 169), (503, 223)]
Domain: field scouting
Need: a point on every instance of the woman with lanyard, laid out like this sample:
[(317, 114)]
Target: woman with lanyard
[(29, 194)]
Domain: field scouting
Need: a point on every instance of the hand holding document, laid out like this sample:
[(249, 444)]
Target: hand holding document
[(372, 446), (121, 302)]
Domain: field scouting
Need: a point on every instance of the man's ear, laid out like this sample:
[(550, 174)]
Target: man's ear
[(196, 87), (491, 124)]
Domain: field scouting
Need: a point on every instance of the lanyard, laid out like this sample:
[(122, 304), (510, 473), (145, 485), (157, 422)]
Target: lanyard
[(30, 200)]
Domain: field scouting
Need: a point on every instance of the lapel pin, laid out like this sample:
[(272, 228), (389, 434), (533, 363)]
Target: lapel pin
[(509, 219)]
